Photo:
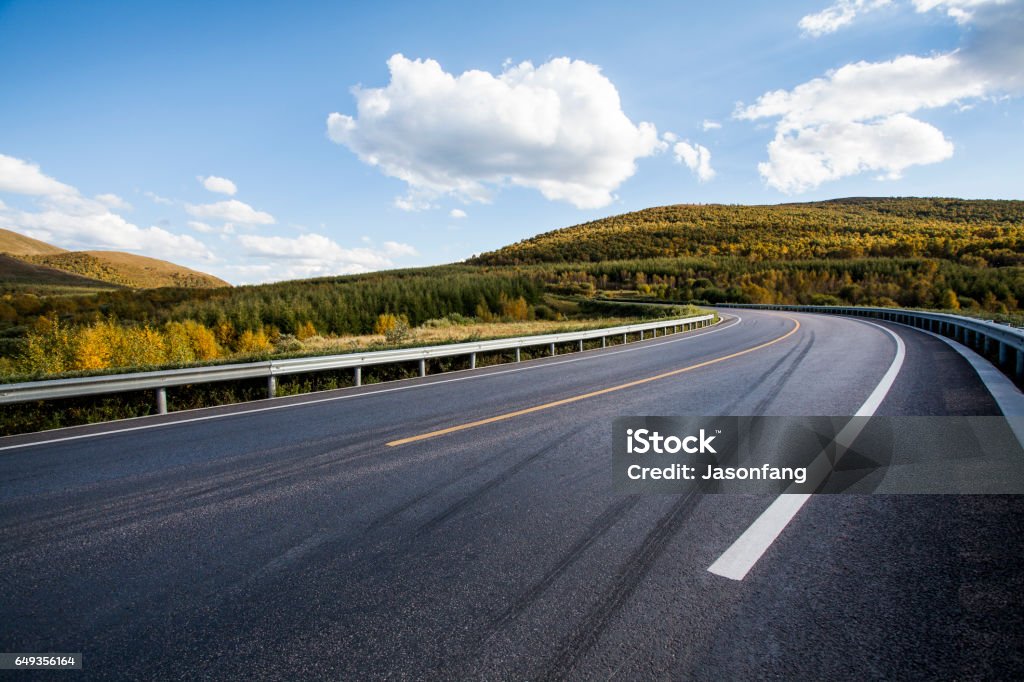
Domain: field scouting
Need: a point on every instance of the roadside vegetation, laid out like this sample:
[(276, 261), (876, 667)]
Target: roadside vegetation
[(943, 254)]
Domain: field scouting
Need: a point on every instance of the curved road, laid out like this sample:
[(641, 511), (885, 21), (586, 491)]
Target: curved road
[(288, 539)]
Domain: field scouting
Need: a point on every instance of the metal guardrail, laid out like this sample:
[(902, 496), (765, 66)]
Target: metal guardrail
[(161, 380), (992, 339)]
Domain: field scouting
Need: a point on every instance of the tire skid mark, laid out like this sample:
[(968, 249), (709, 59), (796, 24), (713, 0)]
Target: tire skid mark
[(141, 509), (777, 385), (489, 485), (402, 547), (630, 575), (765, 375), (595, 531), (319, 539)]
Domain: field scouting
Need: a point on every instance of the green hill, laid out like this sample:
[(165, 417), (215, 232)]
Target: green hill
[(940, 253), (951, 229)]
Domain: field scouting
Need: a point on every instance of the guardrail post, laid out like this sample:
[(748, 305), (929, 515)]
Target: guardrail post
[(581, 345), (552, 349), (423, 367), (518, 355), (357, 376), (1002, 354), (472, 360), (604, 342), (1019, 369), (624, 339), (641, 334), (161, 401), (271, 386)]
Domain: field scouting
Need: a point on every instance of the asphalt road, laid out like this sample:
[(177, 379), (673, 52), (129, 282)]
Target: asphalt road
[(294, 543)]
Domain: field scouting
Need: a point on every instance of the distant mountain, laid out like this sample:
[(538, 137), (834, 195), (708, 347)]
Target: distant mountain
[(100, 268), (951, 229)]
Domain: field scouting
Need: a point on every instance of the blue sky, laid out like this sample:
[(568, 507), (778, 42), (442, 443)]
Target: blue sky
[(114, 115)]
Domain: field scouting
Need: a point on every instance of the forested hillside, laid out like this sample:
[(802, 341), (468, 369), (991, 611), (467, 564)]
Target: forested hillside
[(952, 229), (942, 253)]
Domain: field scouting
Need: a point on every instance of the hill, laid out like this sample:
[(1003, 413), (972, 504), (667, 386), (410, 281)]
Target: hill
[(18, 275), (938, 253), (20, 245), (101, 268), (951, 229)]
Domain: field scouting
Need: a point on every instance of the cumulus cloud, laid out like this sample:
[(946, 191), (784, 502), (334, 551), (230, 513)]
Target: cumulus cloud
[(231, 211), (836, 16), (558, 128), (457, 213), (217, 184), (696, 157), (21, 177), (811, 156), (314, 255), (65, 217), (113, 201), (849, 121)]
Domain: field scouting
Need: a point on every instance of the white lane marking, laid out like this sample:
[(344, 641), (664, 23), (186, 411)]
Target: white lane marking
[(589, 355), (749, 547)]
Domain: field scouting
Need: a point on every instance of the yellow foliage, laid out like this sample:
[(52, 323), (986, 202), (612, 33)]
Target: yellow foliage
[(250, 342), (93, 347), (305, 331), (388, 322), (51, 348), (514, 309)]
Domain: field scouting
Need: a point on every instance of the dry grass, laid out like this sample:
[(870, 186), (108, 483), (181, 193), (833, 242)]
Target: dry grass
[(147, 273), (20, 245), (423, 336)]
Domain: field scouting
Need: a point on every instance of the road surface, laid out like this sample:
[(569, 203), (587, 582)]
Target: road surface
[(288, 539)]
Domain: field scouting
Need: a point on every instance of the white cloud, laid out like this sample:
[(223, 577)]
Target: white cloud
[(22, 177), (866, 90), (457, 213), (232, 211), (836, 16), (314, 255), (850, 121), (113, 201), (558, 128), (696, 157), (397, 249), (961, 10), (67, 218), (157, 199), (217, 184), (200, 226), (414, 200), (804, 159), (710, 125)]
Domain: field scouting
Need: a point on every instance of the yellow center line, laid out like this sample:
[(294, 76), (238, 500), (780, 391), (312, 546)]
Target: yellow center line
[(592, 394)]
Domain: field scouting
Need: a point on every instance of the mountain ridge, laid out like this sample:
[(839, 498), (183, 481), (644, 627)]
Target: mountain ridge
[(102, 268)]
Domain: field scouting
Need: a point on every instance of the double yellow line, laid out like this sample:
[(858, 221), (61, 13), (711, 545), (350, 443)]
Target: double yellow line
[(592, 394)]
